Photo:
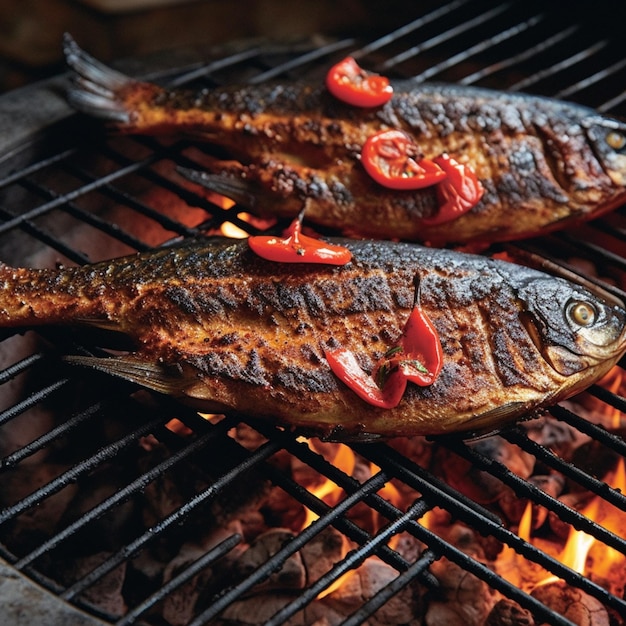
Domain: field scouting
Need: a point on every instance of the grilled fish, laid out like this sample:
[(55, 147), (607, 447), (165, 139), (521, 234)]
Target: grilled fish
[(544, 164), (216, 325)]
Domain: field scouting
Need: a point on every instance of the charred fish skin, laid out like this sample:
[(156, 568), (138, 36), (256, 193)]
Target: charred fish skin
[(544, 164), (217, 326)]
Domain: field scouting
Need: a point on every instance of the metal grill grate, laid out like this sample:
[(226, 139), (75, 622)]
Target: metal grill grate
[(70, 194)]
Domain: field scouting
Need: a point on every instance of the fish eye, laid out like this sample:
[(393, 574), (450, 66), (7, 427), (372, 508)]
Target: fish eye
[(581, 313), (616, 140)]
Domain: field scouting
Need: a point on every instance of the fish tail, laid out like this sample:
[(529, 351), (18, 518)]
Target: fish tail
[(99, 90)]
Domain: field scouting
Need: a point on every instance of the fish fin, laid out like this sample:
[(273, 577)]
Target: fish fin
[(95, 85), (236, 189), (494, 420), (170, 381)]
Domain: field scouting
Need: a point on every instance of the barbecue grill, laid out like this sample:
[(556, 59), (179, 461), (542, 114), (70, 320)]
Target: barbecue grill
[(124, 507)]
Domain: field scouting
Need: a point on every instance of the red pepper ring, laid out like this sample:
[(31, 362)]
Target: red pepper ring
[(391, 158), (351, 84), (298, 248), (458, 193)]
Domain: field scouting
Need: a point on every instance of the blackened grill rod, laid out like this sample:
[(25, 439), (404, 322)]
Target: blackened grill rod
[(556, 68), (591, 80), (207, 559), (415, 476), (411, 27), (482, 46), (445, 36), (261, 454), (350, 562), (123, 494), (371, 486)]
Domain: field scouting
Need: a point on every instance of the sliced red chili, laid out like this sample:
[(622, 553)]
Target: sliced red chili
[(344, 365), (298, 248), (393, 160), (350, 83), (458, 193), (418, 358)]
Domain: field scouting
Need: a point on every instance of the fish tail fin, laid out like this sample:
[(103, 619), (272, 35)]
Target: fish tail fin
[(237, 189), (97, 89)]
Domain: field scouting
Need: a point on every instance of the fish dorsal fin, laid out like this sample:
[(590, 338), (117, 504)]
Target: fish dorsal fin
[(170, 381)]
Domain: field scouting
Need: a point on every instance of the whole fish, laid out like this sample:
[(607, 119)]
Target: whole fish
[(543, 164), (216, 325)]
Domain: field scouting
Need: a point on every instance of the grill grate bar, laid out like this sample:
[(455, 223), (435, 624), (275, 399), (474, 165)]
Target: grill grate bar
[(351, 561), (38, 166), (445, 36), (618, 402), (32, 400), (412, 26), (349, 485), (72, 195), (372, 485), (52, 435), (205, 69), (593, 79), (612, 496), (261, 454), (612, 103), (522, 487), (85, 216), (388, 591), (123, 494), (71, 475), (207, 559), (570, 61), (125, 199), (44, 237), (482, 46), (415, 476), (300, 60), (17, 368)]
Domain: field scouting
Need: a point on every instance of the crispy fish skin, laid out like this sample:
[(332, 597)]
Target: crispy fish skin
[(544, 164), (216, 325)]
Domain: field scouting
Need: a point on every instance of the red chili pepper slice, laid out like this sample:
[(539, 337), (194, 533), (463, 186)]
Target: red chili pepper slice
[(421, 345), (418, 359), (353, 85), (458, 193), (345, 366), (298, 248), (390, 157)]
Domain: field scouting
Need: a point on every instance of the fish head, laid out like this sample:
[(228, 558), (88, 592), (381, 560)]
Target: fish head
[(608, 139), (578, 333)]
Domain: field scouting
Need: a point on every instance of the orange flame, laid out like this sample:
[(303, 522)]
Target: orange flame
[(344, 460)]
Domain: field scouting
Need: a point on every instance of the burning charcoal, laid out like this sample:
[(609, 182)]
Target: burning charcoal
[(182, 483), (555, 434), (576, 501), (359, 585), (509, 613), (180, 605), (27, 530), (109, 531), (258, 609), (553, 485), (463, 599), (571, 603), (322, 552), (105, 593), (483, 487), (291, 575)]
